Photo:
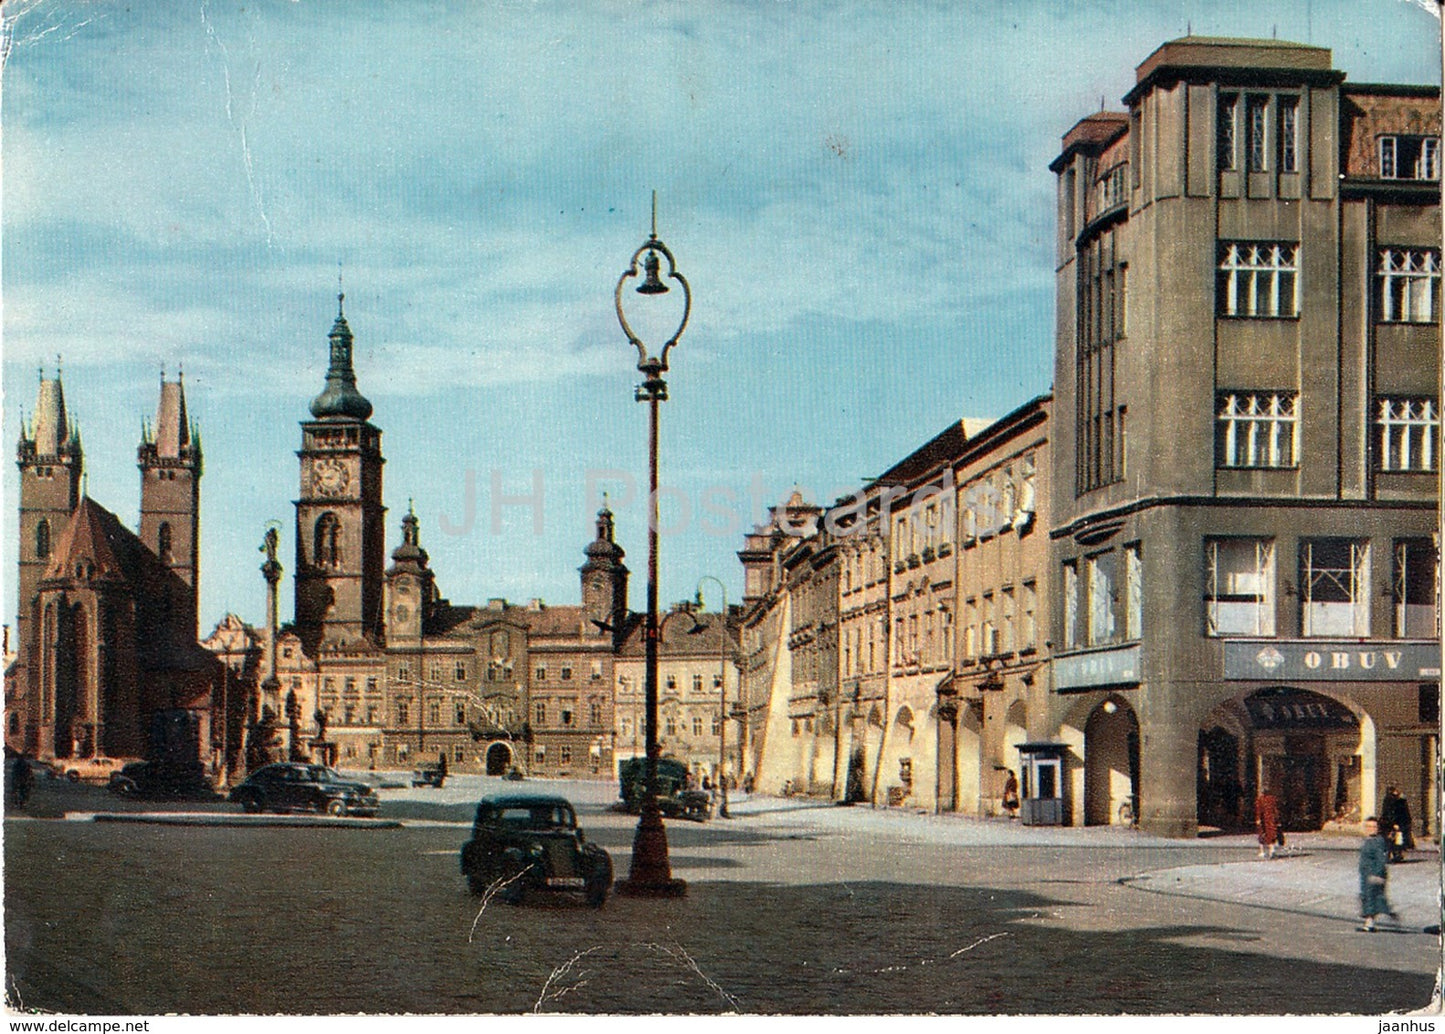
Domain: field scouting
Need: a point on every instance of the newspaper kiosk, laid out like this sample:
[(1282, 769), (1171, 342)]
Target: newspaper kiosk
[(1042, 799)]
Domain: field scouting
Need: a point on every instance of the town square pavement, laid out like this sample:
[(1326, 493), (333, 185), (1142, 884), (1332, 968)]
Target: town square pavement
[(793, 907)]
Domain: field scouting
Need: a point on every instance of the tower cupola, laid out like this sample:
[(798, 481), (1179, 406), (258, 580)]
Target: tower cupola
[(340, 397)]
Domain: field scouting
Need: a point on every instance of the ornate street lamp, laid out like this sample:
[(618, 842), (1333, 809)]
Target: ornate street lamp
[(722, 674), (651, 873)]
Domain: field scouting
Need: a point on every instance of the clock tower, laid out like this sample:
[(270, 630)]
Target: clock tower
[(340, 554)]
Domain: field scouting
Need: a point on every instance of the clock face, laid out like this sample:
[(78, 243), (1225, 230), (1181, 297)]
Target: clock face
[(329, 477)]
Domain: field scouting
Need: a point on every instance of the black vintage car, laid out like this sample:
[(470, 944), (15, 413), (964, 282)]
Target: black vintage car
[(522, 843), (674, 799), (295, 786), (179, 780)]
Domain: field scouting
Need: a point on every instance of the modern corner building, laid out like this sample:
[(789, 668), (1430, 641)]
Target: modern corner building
[(1246, 442)]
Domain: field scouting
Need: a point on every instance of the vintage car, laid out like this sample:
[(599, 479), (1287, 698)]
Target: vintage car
[(522, 843), (158, 779), (95, 769), (429, 775), (674, 798), (296, 786)]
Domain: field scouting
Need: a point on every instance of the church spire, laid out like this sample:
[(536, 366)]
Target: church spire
[(171, 432), (340, 397)]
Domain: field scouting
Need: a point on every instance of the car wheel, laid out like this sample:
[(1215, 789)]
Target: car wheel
[(477, 883), (251, 804), (337, 808)]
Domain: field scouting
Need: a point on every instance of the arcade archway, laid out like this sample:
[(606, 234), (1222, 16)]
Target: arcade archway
[(499, 759), (1313, 752), (1111, 764)]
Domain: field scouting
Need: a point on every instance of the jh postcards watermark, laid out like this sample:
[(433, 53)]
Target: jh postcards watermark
[(717, 509)]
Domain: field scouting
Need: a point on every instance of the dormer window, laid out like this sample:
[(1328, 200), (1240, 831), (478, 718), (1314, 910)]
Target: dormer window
[(1409, 157)]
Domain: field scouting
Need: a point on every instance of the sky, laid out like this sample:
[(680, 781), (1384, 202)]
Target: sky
[(857, 193)]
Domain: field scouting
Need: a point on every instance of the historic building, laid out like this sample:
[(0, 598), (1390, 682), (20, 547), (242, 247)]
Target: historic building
[(1246, 443), (1001, 654), (697, 684), (107, 658)]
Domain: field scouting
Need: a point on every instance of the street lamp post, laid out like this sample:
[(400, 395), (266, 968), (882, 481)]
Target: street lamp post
[(651, 872), (722, 674)]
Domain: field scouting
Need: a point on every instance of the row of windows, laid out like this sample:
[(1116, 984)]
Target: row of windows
[(1241, 588), (1259, 132), (924, 639), (1002, 622), (1260, 280), (1104, 598), (863, 567), (565, 675), (1261, 429), (567, 715)]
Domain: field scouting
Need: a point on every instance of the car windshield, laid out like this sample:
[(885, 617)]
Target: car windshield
[(536, 817), (322, 774)]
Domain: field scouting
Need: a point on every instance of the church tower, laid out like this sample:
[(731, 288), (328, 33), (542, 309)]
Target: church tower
[(604, 581), (169, 458), (340, 552), (410, 587), (51, 464)]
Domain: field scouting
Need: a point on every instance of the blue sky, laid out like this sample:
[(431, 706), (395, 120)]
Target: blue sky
[(858, 194)]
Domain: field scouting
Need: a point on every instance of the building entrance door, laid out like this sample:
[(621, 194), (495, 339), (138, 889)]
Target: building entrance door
[(499, 758)]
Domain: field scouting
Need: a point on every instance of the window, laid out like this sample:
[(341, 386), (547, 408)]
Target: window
[(403, 672), (672, 683), (1133, 593), (1239, 586), (541, 674), (541, 755), (1409, 285), (566, 674), (541, 713), (371, 716), (327, 551), (1289, 134), (163, 542), (987, 633), (1071, 604), (945, 617), (1257, 113), (459, 753), (1414, 588), (1409, 157), (1028, 630), (461, 671), (42, 540), (371, 685), (403, 712), (697, 725), (716, 725), (566, 755), (1228, 129), (697, 683), (436, 671), (434, 713), (1111, 188), (461, 714), (1334, 581), (1257, 430), (1102, 577), (1406, 432), (1009, 644), (671, 725), (1259, 280), (566, 716), (594, 713), (596, 669)]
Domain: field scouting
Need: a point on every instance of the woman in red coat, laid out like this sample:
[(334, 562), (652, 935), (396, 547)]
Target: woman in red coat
[(1266, 821)]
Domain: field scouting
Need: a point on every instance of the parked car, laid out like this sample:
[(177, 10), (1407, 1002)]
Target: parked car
[(673, 796), (95, 769), (523, 843), (429, 775), (151, 779), (296, 786)]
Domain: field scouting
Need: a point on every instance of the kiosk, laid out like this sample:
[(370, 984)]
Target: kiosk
[(1042, 799)]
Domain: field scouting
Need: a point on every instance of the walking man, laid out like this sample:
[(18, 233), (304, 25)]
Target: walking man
[(1373, 857)]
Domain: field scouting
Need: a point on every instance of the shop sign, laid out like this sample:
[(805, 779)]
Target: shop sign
[(1331, 661), (1100, 668)]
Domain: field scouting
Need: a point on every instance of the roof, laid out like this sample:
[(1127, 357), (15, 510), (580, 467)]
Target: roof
[(683, 638), (524, 800), (93, 536), (941, 448), (1234, 60)]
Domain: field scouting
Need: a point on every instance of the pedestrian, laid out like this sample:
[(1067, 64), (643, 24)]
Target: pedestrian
[(22, 779), (1395, 824), (1373, 852), (1266, 822), (1011, 795)]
